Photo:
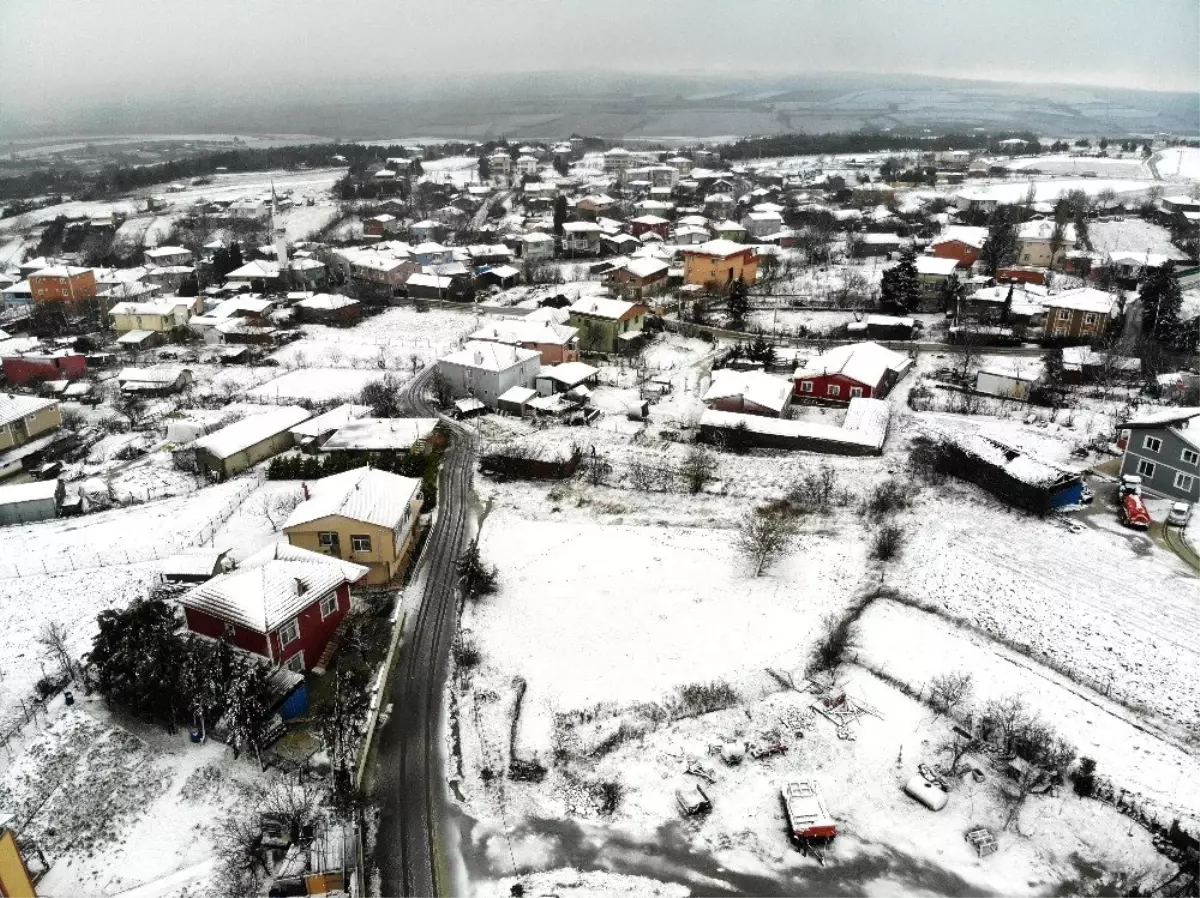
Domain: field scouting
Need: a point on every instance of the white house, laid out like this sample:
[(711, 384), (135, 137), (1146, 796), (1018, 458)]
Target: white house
[(487, 370)]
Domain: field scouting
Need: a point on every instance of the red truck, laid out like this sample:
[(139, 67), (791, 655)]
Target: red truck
[(1133, 512)]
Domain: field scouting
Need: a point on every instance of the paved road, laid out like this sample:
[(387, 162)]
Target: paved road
[(408, 780)]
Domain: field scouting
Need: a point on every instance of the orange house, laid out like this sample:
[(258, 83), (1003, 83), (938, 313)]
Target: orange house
[(961, 243), (62, 283), (719, 262)]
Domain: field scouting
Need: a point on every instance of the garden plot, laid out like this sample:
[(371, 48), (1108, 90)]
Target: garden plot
[(1133, 235), (1108, 607), (316, 385), (115, 808), (1159, 775), (392, 338)]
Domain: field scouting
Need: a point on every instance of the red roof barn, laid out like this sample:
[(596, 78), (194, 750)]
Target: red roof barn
[(283, 603), (62, 365)]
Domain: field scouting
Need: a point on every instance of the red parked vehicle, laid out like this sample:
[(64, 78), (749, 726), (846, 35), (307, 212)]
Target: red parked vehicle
[(1133, 512)]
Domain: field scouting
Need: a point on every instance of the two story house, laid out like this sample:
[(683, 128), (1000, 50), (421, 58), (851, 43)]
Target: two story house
[(602, 323), (363, 515), (1084, 313), (1163, 448), (488, 370)]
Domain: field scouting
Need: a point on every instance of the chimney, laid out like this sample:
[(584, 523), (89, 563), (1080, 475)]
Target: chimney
[(301, 588), (304, 488)]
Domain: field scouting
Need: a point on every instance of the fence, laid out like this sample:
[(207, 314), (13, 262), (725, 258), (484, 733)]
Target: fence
[(67, 561)]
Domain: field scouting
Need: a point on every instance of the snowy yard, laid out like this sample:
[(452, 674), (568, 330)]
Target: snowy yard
[(315, 384)]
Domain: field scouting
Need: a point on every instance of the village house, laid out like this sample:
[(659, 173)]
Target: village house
[(555, 343), (594, 205), (265, 273), (933, 272), (639, 277), (329, 308), (26, 418), (1007, 381), (873, 244), (163, 256), (383, 269), (857, 370), (455, 288), (284, 603), (961, 243), (1084, 313), (238, 446), (160, 315), (649, 223), (730, 230), (372, 436), (486, 370), (719, 263), (380, 225), (1163, 448), (62, 283), (581, 238), (365, 516), (159, 380), (749, 392), (606, 325), (760, 224), (312, 434), (554, 379), (1034, 240), (60, 364), (501, 166), (537, 247), (431, 253)]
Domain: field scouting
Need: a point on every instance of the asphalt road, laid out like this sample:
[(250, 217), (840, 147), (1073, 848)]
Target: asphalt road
[(408, 779)]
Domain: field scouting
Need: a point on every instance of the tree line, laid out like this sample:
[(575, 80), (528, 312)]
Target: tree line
[(863, 142)]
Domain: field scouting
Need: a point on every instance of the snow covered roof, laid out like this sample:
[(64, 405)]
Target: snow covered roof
[(251, 431), (865, 363), (727, 225), (537, 237), (720, 248), (60, 271), (645, 267), (504, 271), (582, 227), (1163, 417), (882, 239), (762, 389), (271, 593), (420, 279), (525, 330), (1014, 463), (936, 265), (160, 252), (35, 491), (330, 421), (135, 337), (380, 434), (255, 269), (198, 563), (649, 220), (1075, 358), (1082, 299), (964, 234), (569, 373), (517, 395), (159, 375), (429, 247), (327, 302), (602, 307), (360, 494), (1043, 230), (865, 424), (489, 356)]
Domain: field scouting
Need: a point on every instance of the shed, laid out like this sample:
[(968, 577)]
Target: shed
[(1005, 383), (240, 445), (194, 567), (24, 503), (515, 399)]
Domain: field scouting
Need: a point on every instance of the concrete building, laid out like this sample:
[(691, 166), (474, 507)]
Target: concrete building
[(486, 370)]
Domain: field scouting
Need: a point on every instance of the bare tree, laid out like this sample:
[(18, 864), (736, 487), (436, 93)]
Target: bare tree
[(642, 475), (764, 537), (275, 508), (957, 745), (243, 868), (949, 690), (699, 467), (442, 391), (53, 638), (597, 470)]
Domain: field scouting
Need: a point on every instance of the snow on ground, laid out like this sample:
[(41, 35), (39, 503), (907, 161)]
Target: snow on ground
[(1133, 235), (301, 222), (1156, 773), (1179, 162), (457, 170), (1047, 191), (1066, 164), (316, 384), (395, 336), (117, 805)]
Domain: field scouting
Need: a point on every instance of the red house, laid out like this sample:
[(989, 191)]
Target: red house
[(960, 243), (865, 370), (646, 223), (284, 604), (62, 365)]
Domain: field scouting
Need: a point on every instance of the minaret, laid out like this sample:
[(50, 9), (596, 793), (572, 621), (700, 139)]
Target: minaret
[(278, 235)]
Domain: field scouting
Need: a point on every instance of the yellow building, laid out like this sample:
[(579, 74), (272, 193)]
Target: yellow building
[(25, 418), (719, 262), (15, 881), (160, 316), (365, 516)]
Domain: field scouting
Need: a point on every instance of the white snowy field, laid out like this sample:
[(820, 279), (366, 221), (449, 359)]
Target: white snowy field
[(1134, 235), (914, 646), (316, 384), (1179, 162), (1047, 191), (1066, 164)]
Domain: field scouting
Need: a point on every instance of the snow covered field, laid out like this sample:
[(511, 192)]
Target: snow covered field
[(1179, 162), (316, 384)]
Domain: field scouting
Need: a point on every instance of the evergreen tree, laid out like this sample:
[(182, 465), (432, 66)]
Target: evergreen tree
[(739, 300), (205, 673), (485, 169), (900, 290), (235, 256), (952, 291), (1000, 247), (1161, 303), (247, 705), (475, 578), (135, 657), (560, 214)]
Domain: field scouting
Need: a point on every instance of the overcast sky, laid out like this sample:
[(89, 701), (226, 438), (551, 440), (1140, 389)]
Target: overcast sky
[(52, 52)]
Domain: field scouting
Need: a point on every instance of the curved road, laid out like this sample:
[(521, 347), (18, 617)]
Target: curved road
[(408, 783)]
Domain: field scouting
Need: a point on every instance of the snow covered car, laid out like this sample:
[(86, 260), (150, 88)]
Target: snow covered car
[(1179, 514), (1130, 483), (1133, 512), (1086, 495)]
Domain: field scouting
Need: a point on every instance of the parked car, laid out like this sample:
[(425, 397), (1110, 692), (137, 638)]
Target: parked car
[(1130, 483), (1133, 512), (1179, 514), (1086, 495)]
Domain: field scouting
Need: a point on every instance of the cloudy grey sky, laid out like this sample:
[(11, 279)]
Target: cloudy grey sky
[(54, 52)]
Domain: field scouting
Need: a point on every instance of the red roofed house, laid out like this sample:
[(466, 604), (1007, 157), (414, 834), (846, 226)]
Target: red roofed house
[(961, 243), (865, 370), (57, 365), (283, 604)]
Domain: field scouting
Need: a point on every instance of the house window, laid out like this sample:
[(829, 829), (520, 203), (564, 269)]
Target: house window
[(1064, 314), (326, 539), (360, 543), (1154, 444), (1185, 482), (806, 386), (329, 605), (833, 390), (1190, 457), (1089, 320), (1146, 468), (289, 633), (855, 392), (296, 663)]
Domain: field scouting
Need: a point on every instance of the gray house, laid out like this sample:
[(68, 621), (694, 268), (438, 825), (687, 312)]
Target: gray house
[(1163, 448), (489, 370)]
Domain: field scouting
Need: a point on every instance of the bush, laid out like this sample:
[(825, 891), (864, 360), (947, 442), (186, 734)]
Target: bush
[(837, 637), (887, 542), (608, 796), (466, 655), (887, 497), (702, 698), (1085, 778)]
